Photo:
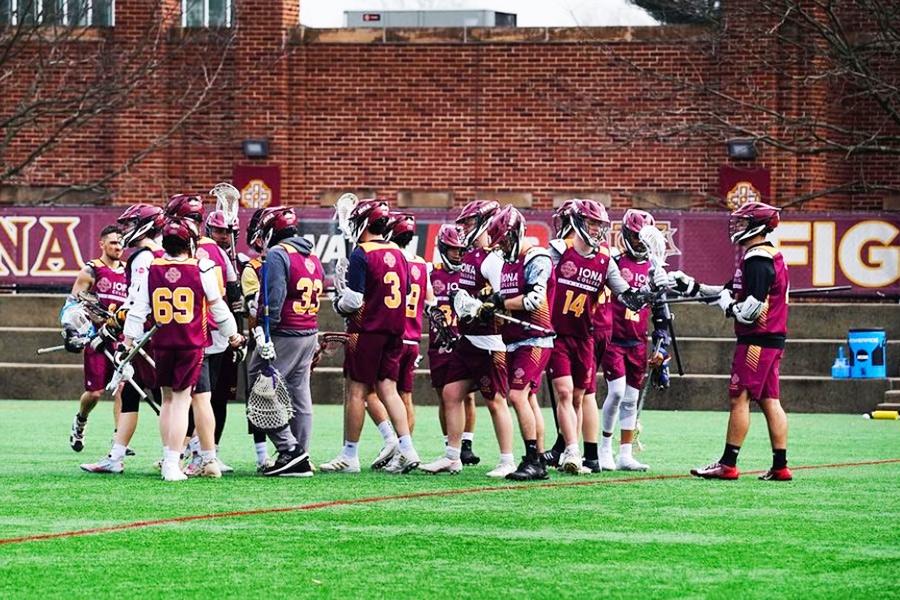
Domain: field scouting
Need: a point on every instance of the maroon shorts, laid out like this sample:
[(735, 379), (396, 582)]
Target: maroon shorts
[(372, 357), (408, 356), (573, 356), (629, 362), (486, 369), (600, 345), (755, 369), (525, 365), (438, 363), (97, 370), (178, 369)]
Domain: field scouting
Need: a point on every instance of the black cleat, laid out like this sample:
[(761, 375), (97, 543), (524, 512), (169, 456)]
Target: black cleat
[(528, 470), (129, 451), (551, 458), (466, 456), (593, 465), (290, 464)]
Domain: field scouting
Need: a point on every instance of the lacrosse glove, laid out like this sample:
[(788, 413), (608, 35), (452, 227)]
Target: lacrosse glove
[(266, 349), (659, 378)]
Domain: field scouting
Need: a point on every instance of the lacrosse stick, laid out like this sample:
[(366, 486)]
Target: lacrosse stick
[(50, 349), (102, 316), (525, 324), (444, 336), (655, 242), (342, 209), (329, 342), (642, 397), (269, 406), (799, 292), (228, 200)]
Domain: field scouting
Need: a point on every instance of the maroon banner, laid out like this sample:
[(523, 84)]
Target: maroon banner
[(47, 246), (739, 185), (259, 186)]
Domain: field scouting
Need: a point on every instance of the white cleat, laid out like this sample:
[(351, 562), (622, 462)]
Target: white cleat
[(171, 472), (194, 467), (628, 463), (340, 464), (210, 468), (442, 465), (571, 463), (104, 465), (385, 456), (607, 463), (223, 468), (502, 470), (402, 464)]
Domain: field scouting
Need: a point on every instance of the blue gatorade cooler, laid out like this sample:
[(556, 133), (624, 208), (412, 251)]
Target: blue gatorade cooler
[(867, 349)]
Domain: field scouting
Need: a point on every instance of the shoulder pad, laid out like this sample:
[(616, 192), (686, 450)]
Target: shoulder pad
[(536, 252), (761, 252), (205, 264), (559, 245)]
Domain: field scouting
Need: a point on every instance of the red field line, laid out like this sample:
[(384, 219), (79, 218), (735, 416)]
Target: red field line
[(374, 499)]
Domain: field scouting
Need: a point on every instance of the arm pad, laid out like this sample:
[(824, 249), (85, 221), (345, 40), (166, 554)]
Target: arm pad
[(748, 310)]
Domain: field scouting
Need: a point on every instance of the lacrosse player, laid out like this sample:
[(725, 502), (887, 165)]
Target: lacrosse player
[(141, 225), (526, 291), (478, 360), (625, 359), (104, 277), (184, 206), (250, 278), (181, 294), (374, 303), (443, 332), (582, 265), (294, 285), (401, 231), (757, 299)]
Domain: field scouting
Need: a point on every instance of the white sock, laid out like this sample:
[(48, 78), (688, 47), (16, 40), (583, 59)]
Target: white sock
[(606, 443), (351, 449), (387, 432), (507, 459), (468, 436), (406, 445), (453, 453), (117, 452), (171, 457), (262, 452), (573, 450), (208, 455), (625, 450)]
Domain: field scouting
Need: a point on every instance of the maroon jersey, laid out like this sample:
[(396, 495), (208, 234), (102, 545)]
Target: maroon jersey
[(512, 284), (601, 321), (443, 283), (472, 281), (415, 300), (305, 283), (387, 284), (628, 324), (580, 283), (774, 316), (110, 285), (178, 304), (207, 248)]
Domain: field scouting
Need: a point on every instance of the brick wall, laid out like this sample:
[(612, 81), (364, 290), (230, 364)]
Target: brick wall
[(539, 111)]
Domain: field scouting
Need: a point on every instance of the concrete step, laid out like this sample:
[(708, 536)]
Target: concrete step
[(692, 392), (808, 321), (801, 356), (20, 344)]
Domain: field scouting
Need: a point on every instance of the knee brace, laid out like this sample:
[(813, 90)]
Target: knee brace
[(628, 409)]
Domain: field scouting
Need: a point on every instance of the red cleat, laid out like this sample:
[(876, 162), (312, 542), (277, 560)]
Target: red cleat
[(717, 471), (782, 474)]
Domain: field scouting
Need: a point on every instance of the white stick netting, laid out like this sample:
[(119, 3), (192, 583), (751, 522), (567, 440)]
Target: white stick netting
[(269, 405)]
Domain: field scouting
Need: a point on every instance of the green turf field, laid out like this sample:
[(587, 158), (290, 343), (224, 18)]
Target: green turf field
[(833, 532)]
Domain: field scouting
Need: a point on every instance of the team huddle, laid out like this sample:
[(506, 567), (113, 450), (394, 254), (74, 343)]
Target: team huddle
[(501, 313)]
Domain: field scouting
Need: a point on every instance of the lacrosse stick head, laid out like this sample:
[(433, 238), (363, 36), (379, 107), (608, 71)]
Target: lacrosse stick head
[(228, 201), (342, 209), (655, 243), (340, 275), (269, 405), (329, 342)]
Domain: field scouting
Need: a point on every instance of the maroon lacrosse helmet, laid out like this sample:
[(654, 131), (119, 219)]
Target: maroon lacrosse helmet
[(140, 221), (751, 220), (185, 206), (632, 222), (449, 237), (217, 219), (273, 220), (590, 222), (371, 215), (474, 218), (562, 219), (505, 230), (182, 228), (253, 239), (402, 228)]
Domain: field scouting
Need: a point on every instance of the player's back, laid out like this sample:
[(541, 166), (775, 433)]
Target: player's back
[(178, 303), (387, 284), (415, 301)]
